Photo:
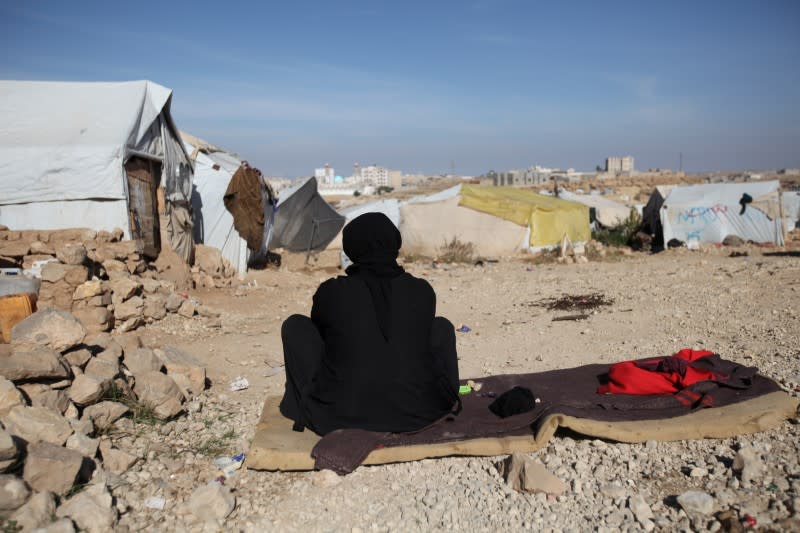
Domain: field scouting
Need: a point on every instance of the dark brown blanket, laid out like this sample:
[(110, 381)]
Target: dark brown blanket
[(569, 391)]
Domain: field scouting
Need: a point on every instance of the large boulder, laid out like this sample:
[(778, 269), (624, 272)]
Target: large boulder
[(83, 444), (53, 272), (122, 289), (55, 329), (102, 368), (160, 392), (34, 424), (51, 468), (31, 362), (115, 460), (131, 308), (88, 289), (155, 307), (92, 509)]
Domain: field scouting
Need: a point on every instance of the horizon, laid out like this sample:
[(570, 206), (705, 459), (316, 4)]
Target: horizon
[(465, 86)]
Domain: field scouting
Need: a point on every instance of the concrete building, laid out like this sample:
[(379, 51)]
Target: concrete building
[(324, 175), (620, 165), (375, 175), (527, 177)]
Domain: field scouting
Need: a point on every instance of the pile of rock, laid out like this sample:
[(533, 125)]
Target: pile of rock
[(106, 282), (59, 391)]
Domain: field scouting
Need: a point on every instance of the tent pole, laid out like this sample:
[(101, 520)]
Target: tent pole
[(311, 240)]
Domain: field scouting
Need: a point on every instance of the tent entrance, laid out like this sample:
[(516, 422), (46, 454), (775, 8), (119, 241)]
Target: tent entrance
[(143, 177)]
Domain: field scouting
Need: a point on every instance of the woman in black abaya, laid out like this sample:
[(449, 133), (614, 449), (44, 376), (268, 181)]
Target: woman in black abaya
[(373, 355)]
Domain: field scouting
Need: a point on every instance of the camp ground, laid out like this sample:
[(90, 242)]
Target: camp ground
[(94, 155)]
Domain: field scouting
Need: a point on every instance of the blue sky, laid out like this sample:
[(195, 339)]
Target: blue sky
[(423, 85)]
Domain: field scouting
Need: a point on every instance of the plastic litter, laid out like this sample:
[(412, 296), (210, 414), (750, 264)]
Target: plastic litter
[(749, 521), (464, 389), (239, 383), (476, 386), (155, 503), (228, 465), (463, 328)]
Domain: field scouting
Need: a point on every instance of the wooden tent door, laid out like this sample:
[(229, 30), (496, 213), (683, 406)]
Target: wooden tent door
[(143, 177)]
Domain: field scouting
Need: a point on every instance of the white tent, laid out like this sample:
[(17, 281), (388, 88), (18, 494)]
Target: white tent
[(213, 223), (709, 213), (607, 212), (90, 155), (791, 209)]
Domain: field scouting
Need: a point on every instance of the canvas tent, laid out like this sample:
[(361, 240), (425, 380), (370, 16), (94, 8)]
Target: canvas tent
[(791, 209), (607, 213), (304, 221), (709, 213), (93, 155), (213, 224)]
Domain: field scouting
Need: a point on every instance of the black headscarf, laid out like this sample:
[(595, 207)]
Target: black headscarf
[(372, 242)]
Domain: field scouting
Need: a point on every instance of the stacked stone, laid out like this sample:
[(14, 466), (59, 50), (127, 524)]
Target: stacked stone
[(59, 391), (210, 269)]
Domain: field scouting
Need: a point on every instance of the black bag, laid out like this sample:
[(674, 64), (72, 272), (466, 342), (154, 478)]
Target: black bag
[(513, 402)]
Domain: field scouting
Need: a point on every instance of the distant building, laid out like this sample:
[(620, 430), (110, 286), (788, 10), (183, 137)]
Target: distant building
[(325, 175), (375, 175), (789, 172), (620, 165), (525, 177)]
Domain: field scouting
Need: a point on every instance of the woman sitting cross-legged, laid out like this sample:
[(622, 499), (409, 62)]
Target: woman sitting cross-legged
[(373, 355)]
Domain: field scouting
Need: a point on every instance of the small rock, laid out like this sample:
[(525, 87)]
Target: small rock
[(131, 308), (53, 272), (122, 289), (179, 362), (640, 509), (37, 512), (613, 491), (52, 468), (142, 360), (8, 450), (63, 525), (88, 289), (83, 444), (174, 302), (212, 502), (696, 502), (525, 474), (13, 492), (55, 400), (71, 254), (114, 460), (86, 390), (103, 414), (325, 478), (159, 391), (56, 329), (78, 357), (91, 509), (748, 464), (187, 309), (102, 369), (10, 396), (155, 307)]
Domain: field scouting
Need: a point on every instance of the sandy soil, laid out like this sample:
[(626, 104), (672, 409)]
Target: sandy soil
[(744, 308)]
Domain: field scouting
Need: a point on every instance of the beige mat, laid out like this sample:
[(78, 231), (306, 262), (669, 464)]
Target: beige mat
[(276, 447)]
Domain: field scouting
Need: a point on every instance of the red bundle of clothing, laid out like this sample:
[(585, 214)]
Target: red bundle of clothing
[(670, 375)]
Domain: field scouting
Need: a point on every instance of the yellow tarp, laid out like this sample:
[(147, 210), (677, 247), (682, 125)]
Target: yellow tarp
[(549, 218)]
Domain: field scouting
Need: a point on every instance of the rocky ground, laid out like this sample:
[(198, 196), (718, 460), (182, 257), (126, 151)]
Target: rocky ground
[(744, 308)]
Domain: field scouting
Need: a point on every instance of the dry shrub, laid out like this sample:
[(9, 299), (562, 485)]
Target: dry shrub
[(456, 251)]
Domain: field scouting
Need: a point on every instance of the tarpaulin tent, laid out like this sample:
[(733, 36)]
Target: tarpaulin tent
[(213, 224), (93, 155), (547, 218), (607, 213), (791, 209), (430, 222), (304, 221), (709, 213)]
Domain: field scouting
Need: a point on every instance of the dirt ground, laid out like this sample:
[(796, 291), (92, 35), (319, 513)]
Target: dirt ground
[(744, 308)]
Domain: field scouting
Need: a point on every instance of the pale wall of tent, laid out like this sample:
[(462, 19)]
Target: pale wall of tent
[(791, 209), (608, 213), (63, 146), (709, 213), (390, 208), (427, 226), (213, 223)]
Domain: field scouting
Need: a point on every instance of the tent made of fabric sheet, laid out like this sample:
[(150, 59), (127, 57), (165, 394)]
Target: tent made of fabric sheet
[(548, 218), (791, 209), (390, 208), (213, 224), (709, 213), (92, 155), (607, 213), (429, 224), (304, 221)]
